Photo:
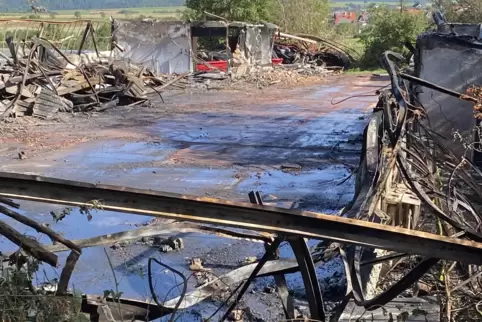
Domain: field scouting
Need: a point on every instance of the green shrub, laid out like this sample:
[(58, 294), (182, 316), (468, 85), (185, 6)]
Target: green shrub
[(346, 30), (128, 12), (389, 30)]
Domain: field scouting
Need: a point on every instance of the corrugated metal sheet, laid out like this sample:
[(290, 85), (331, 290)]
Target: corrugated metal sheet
[(161, 46)]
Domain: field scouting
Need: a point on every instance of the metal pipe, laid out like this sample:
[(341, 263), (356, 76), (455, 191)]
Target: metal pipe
[(437, 87)]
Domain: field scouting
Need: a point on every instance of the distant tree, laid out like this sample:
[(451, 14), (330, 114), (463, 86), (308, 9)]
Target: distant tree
[(465, 11), (390, 30), (303, 16), (35, 7), (102, 15), (233, 10), (53, 14), (78, 15)]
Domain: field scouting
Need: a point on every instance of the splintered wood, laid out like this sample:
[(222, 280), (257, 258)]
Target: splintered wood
[(403, 309), (476, 92), (48, 103), (44, 82)]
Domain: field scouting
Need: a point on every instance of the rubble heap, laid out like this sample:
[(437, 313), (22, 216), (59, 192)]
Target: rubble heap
[(47, 81)]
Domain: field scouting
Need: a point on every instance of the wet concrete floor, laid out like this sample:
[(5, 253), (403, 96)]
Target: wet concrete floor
[(298, 150)]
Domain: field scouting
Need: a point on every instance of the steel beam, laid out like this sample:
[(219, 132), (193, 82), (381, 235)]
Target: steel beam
[(242, 215)]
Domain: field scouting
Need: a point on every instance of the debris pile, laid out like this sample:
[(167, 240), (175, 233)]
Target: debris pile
[(425, 187), (47, 82), (256, 77), (284, 75), (476, 92), (294, 53), (311, 50)]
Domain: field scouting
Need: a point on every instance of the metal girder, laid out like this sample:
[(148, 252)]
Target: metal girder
[(235, 214), (280, 279), (310, 280)]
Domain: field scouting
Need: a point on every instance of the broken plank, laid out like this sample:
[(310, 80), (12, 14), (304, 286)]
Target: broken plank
[(280, 266), (17, 79), (48, 104), (13, 90), (137, 91), (402, 309), (169, 83), (63, 90), (23, 106)]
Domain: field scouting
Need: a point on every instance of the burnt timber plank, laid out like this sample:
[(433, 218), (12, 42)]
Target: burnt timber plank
[(242, 215), (402, 309), (14, 89), (63, 90), (47, 104)]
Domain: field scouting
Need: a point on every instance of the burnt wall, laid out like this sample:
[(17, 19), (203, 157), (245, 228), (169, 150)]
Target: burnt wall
[(454, 62)]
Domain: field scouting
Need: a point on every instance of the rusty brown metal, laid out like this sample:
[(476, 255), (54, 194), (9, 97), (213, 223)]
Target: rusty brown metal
[(254, 217)]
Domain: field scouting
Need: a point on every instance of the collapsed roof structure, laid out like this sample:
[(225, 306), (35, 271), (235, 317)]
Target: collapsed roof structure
[(172, 46)]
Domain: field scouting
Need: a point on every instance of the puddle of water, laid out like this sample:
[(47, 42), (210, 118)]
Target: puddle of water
[(269, 137), (324, 91), (299, 185), (331, 129), (193, 181), (91, 273), (254, 130), (115, 152)]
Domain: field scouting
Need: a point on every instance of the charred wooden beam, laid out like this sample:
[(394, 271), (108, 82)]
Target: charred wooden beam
[(31, 246), (154, 231), (39, 228), (67, 272), (235, 214)]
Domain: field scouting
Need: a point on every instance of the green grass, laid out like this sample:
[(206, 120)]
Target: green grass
[(355, 44), (361, 71), (154, 12)]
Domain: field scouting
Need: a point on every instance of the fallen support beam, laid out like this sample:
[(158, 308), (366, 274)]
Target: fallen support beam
[(31, 246), (67, 273), (311, 41), (164, 230), (41, 229), (241, 215)]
